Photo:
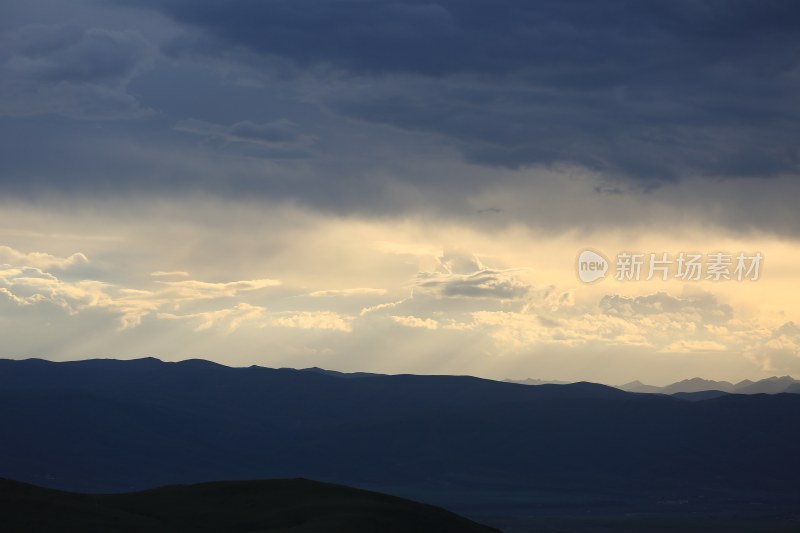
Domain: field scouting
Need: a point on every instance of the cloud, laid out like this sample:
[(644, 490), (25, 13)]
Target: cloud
[(280, 136), (457, 36), (701, 306), (683, 346), (314, 320), (113, 305), (486, 283), (68, 54), (416, 322), (360, 291), (514, 330), (780, 351), (694, 322), (196, 290), (40, 260), (380, 307), (657, 91), (362, 109), (169, 274), (28, 281), (65, 70), (31, 286), (230, 318)]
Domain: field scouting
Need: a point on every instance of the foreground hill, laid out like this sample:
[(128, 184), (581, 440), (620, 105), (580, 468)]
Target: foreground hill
[(295, 505)]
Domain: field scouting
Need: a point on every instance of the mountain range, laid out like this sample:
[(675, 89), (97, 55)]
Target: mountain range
[(497, 452), (772, 385)]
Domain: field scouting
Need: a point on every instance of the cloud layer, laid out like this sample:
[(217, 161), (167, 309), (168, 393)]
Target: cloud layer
[(451, 304), (398, 185), (655, 91), (476, 110), (66, 70)]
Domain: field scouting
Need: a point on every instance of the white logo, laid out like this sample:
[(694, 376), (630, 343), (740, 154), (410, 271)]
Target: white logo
[(591, 266)]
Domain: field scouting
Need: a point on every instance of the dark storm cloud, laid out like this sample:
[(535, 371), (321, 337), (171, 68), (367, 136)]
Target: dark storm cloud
[(70, 71), (652, 90), (583, 42), (64, 53), (277, 138), (486, 283), (376, 108)]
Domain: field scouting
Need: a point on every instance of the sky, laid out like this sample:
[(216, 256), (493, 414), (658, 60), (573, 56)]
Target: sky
[(403, 186)]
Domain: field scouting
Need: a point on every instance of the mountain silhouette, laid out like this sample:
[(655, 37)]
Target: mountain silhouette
[(334, 373), (699, 395), (533, 381), (286, 505), (638, 386), (697, 385), (773, 385)]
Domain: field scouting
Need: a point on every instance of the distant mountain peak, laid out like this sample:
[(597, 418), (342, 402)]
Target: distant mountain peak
[(336, 373), (534, 381), (638, 386), (771, 385)]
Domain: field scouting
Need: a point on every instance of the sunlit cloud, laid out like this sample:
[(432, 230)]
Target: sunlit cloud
[(416, 322), (334, 293), (510, 297), (40, 260), (230, 318), (29, 284), (196, 290), (314, 320), (172, 274)]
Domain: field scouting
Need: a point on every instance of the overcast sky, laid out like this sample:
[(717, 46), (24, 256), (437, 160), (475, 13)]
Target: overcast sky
[(400, 186)]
